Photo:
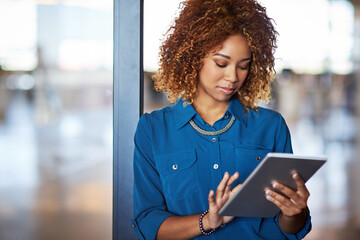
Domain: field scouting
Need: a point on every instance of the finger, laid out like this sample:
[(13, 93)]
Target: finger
[(232, 179), (285, 205), (211, 200), (221, 187), (300, 183), (235, 189), (290, 193), (278, 197), (281, 206), (276, 202)]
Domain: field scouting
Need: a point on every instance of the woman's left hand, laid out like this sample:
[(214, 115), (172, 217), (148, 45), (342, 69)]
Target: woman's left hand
[(295, 201)]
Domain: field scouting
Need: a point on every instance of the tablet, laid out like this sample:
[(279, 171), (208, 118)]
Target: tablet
[(250, 200)]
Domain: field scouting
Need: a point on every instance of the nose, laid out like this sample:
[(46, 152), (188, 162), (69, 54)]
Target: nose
[(231, 74)]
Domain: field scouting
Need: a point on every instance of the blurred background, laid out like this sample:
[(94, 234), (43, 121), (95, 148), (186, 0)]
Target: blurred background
[(56, 63), (56, 119)]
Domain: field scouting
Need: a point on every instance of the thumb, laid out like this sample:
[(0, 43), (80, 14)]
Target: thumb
[(211, 199)]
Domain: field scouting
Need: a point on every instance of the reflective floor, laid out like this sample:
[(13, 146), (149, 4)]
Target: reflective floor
[(55, 180)]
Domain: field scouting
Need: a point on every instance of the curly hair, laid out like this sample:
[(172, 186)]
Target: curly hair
[(203, 25)]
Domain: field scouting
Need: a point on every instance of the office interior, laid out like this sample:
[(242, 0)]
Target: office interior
[(56, 110)]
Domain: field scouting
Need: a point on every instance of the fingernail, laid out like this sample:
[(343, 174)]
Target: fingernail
[(268, 197), (296, 176), (276, 185), (268, 192)]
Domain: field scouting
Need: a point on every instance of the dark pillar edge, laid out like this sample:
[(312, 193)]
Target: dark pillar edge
[(128, 91)]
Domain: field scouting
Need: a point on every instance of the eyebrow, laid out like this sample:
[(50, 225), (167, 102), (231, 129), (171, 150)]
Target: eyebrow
[(228, 57)]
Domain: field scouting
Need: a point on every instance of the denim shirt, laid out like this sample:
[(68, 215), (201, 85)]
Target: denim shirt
[(175, 166)]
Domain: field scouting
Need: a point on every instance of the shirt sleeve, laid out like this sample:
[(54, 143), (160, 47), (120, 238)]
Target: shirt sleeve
[(283, 144), (300, 234), (149, 203), (283, 138)]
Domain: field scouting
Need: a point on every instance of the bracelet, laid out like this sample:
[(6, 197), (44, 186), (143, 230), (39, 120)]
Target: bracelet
[(201, 226)]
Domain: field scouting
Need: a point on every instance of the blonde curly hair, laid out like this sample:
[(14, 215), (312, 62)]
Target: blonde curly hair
[(205, 24)]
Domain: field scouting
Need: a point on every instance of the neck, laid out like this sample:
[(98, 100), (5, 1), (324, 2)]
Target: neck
[(210, 111)]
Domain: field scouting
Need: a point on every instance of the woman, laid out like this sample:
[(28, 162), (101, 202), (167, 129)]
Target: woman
[(217, 63)]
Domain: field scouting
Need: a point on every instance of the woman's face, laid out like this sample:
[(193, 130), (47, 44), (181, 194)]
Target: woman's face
[(224, 71)]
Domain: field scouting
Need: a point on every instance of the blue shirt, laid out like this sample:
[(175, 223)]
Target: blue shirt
[(175, 167)]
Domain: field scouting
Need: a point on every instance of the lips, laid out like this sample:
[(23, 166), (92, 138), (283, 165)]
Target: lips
[(227, 91)]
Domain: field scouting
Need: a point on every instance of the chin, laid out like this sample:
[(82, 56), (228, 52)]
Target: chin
[(223, 98)]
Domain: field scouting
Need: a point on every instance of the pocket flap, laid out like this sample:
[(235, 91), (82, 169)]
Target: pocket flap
[(247, 158), (252, 153), (175, 162)]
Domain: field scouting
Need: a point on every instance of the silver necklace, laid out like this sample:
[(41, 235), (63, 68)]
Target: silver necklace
[(212, 133)]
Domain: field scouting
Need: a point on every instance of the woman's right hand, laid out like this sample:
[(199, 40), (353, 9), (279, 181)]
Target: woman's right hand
[(186, 227), (223, 194)]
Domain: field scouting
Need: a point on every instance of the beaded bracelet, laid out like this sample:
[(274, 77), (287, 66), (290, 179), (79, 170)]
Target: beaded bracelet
[(201, 226)]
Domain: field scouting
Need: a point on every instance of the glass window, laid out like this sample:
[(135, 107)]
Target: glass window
[(56, 119)]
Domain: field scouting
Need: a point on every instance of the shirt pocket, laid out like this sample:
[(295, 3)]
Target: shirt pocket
[(247, 159), (178, 174)]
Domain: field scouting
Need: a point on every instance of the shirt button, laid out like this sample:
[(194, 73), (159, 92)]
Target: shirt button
[(175, 166), (216, 166), (226, 116), (258, 158), (213, 140)]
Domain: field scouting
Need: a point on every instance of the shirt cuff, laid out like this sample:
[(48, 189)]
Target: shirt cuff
[(148, 227), (300, 234)]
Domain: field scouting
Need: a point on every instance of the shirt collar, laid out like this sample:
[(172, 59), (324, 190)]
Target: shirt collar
[(238, 111), (186, 112)]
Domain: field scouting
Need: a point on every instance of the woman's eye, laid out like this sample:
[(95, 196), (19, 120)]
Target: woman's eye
[(244, 67), (221, 65)]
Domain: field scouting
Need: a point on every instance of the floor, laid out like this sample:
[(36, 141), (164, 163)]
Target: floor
[(56, 179)]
